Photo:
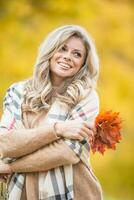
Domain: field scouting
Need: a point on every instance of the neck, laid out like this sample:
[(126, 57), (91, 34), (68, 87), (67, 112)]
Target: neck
[(56, 81)]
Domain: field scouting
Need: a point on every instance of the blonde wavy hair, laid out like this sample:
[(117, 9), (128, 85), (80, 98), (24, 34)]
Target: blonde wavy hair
[(39, 89)]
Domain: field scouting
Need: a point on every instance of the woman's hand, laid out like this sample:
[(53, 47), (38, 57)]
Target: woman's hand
[(4, 168), (3, 178), (5, 171), (74, 129)]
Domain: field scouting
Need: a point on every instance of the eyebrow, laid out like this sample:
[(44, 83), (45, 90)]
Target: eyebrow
[(73, 49)]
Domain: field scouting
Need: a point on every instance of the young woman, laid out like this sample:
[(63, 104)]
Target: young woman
[(48, 122)]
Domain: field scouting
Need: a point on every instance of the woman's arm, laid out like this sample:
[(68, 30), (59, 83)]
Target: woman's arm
[(54, 157), (17, 143), (51, 156)]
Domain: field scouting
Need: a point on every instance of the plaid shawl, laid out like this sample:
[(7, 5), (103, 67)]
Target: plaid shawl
[(57, 183)]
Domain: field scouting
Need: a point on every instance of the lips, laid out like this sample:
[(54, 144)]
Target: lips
[(64, 65)]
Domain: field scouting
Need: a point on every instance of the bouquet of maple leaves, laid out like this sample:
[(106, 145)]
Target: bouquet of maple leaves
[(107, 134)]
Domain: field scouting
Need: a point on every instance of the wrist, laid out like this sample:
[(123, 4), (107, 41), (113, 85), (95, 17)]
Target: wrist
[(10, 169), (57, 129), (5, 168)]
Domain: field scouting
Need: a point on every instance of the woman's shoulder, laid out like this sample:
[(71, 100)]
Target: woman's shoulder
[(15, 90), (91, 96), (17, 85), (89, 102)]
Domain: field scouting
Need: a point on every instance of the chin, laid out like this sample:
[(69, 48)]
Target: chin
[(63, 75)]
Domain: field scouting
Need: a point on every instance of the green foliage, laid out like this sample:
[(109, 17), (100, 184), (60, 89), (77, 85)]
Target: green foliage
[(25, 23)]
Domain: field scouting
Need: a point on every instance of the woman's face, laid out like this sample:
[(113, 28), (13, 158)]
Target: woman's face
[(68, 60)]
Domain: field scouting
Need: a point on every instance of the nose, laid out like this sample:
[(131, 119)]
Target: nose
[(67, 56)]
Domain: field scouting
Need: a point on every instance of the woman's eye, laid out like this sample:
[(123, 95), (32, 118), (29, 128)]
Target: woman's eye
[(62, 48), (77, 54)]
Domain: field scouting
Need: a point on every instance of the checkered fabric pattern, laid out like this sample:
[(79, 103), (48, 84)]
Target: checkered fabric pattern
[(57, 183)]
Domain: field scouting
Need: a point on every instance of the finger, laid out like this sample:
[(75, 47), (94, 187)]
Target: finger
[(84, 135), (89, 132), (3, 179), (81, 138), (74, 136), (94, 131), (86, 124), (78, 137)]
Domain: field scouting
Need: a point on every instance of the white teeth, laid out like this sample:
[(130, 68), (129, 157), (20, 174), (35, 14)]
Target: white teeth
[(66, 66)]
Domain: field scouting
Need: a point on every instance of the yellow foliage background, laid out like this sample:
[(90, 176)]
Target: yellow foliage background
[(25, 23)]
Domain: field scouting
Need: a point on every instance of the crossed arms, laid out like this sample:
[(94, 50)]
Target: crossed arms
[(35, 150), (39, 149)]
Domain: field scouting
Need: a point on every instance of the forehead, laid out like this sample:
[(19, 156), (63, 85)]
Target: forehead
[(75, 43)]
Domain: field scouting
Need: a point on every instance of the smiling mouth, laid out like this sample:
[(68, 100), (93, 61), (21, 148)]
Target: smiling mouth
[(64, 65)]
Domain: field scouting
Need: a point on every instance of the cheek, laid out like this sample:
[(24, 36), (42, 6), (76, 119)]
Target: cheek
[(55, 56), (52, 61), (79, 64)]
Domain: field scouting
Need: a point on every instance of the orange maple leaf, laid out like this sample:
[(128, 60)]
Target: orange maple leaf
[(108, 126)]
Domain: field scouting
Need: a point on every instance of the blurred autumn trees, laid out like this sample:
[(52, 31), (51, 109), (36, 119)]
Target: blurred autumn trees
[(25, 23)]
